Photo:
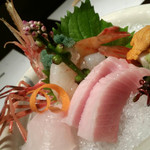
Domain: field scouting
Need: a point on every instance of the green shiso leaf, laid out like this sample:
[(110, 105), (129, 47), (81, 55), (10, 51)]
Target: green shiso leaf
[(64, 24), (122, 41), (84, 22)]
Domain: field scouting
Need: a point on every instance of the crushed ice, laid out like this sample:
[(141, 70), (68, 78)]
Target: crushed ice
[(133, 129)]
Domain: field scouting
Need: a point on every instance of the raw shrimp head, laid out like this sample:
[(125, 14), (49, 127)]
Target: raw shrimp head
[(23, 100), (26, 41)]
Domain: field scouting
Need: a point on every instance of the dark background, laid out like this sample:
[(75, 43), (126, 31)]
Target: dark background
[(28, 10)]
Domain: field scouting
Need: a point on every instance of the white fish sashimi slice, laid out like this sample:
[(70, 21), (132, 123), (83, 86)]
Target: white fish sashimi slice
[(47, 132), (63, 76), (90, 61), (101, 115), (82, 92)]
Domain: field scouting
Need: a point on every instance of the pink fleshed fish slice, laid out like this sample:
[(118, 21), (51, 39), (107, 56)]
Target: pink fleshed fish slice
[(83, 90), (101, 116)]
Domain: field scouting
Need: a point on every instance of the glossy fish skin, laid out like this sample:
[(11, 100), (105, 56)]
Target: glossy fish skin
[(81, 94), (101, 115)]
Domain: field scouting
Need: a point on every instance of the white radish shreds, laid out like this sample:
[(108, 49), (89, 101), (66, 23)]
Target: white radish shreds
[(134, 128)]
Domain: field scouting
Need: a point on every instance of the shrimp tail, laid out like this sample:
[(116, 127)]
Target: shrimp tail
[(110, 34), (116, 51)]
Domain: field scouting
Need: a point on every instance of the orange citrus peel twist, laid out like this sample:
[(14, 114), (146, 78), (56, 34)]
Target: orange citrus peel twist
[(61, 92)]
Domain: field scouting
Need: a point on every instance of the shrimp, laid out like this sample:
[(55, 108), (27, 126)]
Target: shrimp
[(14, 96), (26, 42), (92, 44)]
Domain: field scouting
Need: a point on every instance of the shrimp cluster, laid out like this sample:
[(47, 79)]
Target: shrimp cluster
[(23, 99), (26, 42), (17, 98)]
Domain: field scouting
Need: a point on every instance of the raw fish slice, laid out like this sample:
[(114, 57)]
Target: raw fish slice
[(90, 61), (47, 132), (133, 128), (63, 76), (101, 115), (81, 94)]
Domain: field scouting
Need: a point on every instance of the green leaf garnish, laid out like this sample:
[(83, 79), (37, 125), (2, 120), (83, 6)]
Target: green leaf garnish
[(46, 59), (62, 39), (51, 93), (47, 73), (122, 41), (58, 30), (84, 23)]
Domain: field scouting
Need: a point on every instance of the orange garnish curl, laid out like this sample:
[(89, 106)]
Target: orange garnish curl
[(61, 92), (13, 110)]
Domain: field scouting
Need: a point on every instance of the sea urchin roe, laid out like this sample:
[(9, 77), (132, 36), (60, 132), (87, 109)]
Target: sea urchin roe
[(140, 43), (63, 95)]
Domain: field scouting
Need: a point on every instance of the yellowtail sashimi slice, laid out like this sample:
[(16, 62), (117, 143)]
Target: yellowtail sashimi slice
[(82, 92), (101, 115)]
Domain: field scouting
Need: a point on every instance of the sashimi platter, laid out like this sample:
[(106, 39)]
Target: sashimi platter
[(89, 84)]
